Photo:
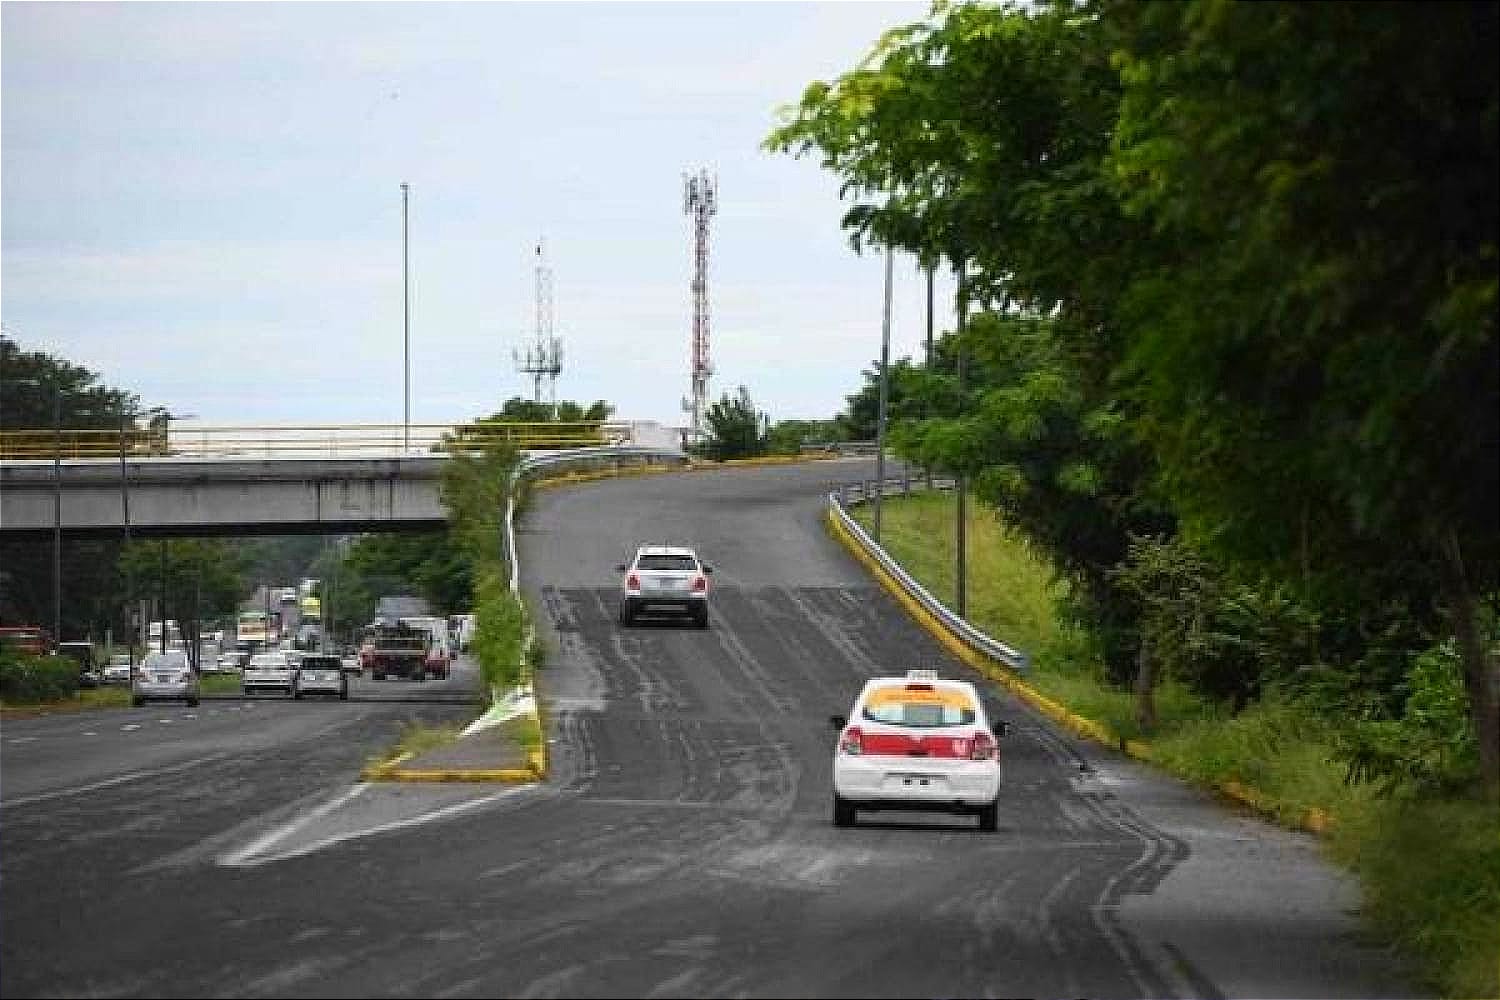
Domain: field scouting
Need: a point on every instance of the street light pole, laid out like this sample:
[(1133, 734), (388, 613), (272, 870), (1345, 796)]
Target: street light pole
[(405, 324), (56, 515), (125, 531), (885, 357)]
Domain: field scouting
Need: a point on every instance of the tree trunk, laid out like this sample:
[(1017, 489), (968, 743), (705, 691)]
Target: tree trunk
[(1145, 688), (1481, 670)]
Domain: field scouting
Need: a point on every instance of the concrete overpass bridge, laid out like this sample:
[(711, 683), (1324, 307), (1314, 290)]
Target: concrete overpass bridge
[(245, 481)]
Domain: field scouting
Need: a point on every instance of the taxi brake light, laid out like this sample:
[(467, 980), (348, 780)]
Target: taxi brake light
[(852, 742), (632, 582), (700, 584), (983, 747)]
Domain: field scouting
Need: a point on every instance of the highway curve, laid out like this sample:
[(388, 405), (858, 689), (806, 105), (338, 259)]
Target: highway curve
[(682, 845)]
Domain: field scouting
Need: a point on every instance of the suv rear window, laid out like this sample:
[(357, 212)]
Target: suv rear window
[(667, 562), (919, 707), (320, 663)]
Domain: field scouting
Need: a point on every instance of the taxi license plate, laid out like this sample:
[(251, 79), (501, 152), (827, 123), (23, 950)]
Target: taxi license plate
[(163, 679), (914, 780)]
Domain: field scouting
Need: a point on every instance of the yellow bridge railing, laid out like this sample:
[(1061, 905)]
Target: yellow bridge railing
[(304, 440)]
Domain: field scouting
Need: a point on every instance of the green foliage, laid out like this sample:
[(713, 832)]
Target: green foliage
[(521, 410), (476, 492), (1430, 747), (788, 437), (499, 630), (26, 679), (1431, 877), (736, 429)]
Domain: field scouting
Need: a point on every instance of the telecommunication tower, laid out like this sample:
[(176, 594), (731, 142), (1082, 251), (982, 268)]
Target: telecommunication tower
[(700, 199), (544, 356)]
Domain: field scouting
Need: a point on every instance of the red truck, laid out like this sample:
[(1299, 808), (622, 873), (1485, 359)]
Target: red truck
[(399, 651)]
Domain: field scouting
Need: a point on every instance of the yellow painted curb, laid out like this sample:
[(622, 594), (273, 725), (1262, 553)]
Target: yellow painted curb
[(1313, 820)]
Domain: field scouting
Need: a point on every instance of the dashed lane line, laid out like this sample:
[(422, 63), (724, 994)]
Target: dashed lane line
[(121, 779)]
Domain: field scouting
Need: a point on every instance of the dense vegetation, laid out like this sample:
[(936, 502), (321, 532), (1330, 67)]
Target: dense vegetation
[(1227, 354), (1233, 359)]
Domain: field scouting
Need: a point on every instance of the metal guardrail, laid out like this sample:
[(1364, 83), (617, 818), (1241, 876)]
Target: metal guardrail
[(310, 440), (959, 627), (616, 457)]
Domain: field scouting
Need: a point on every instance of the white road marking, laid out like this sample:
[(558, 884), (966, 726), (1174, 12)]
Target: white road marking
[(129, 728), (107, 782), (246, 856), (164, 722), (91, 734), (25, 739)]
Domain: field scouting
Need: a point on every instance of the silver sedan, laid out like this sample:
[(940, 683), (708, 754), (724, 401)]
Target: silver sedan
[(321, 675), (164, 676)]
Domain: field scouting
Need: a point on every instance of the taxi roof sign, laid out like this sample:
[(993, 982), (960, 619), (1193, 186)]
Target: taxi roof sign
[(921, 675)]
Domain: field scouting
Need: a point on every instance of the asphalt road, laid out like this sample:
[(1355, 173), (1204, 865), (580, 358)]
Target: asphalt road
[(683, 844)]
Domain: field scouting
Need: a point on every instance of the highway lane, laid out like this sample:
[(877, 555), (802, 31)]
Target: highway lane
[(73, 752), (682, 846)]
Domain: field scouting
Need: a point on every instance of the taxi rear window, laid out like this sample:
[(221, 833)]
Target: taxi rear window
[(659, 562), (919, 707)]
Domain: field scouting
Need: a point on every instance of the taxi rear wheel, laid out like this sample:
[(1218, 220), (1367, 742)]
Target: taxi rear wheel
[(989, 816), (843, 811)]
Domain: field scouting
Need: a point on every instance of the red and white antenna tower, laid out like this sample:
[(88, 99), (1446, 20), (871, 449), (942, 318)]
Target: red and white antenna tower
[(700, 199), (544, 357)]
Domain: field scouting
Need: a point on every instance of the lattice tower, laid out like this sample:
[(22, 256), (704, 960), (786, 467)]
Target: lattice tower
[(544, 357), (700, 199)]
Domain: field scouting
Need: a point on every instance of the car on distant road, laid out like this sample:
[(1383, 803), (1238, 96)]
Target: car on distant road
[(118, 669), (664, 579), (164, 676), (917, 742), (83, 652), (268, 671), (321, 674)]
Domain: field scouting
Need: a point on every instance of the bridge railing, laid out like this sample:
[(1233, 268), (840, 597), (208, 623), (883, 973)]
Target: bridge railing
[(310, 440)]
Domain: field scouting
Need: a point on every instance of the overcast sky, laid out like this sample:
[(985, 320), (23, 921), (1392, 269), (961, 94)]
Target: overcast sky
[(202, 202)]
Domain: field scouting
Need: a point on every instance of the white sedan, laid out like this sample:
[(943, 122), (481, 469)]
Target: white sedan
[(268, 671), (917, 742)]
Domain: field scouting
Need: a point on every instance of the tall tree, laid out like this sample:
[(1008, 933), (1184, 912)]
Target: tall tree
[(736, 429), (1313, 341)]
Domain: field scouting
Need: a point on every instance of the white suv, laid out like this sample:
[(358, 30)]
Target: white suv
[(917, 742), (664, 578)]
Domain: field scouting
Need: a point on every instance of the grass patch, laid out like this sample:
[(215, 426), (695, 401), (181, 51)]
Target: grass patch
[(417, 738), (1430, 870)]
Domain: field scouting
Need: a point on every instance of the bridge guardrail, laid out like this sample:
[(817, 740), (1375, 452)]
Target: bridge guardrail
[(311, 440), (960, 628)]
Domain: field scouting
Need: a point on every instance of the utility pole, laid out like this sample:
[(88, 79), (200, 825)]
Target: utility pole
[(963, 481), (928, 357), (405, 325), (162, 583), (885, 392)]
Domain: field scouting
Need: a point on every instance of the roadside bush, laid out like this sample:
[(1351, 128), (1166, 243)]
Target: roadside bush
[(1431, 877), (1431, 747), (499, 630), (25, 679)]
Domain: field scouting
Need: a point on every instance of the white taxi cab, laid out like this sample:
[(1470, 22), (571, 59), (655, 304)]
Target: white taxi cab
[(917, 742)]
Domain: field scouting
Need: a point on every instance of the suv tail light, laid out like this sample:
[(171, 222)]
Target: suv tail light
[(852, 742), (984, 747), (700, 584), (632, 582)]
